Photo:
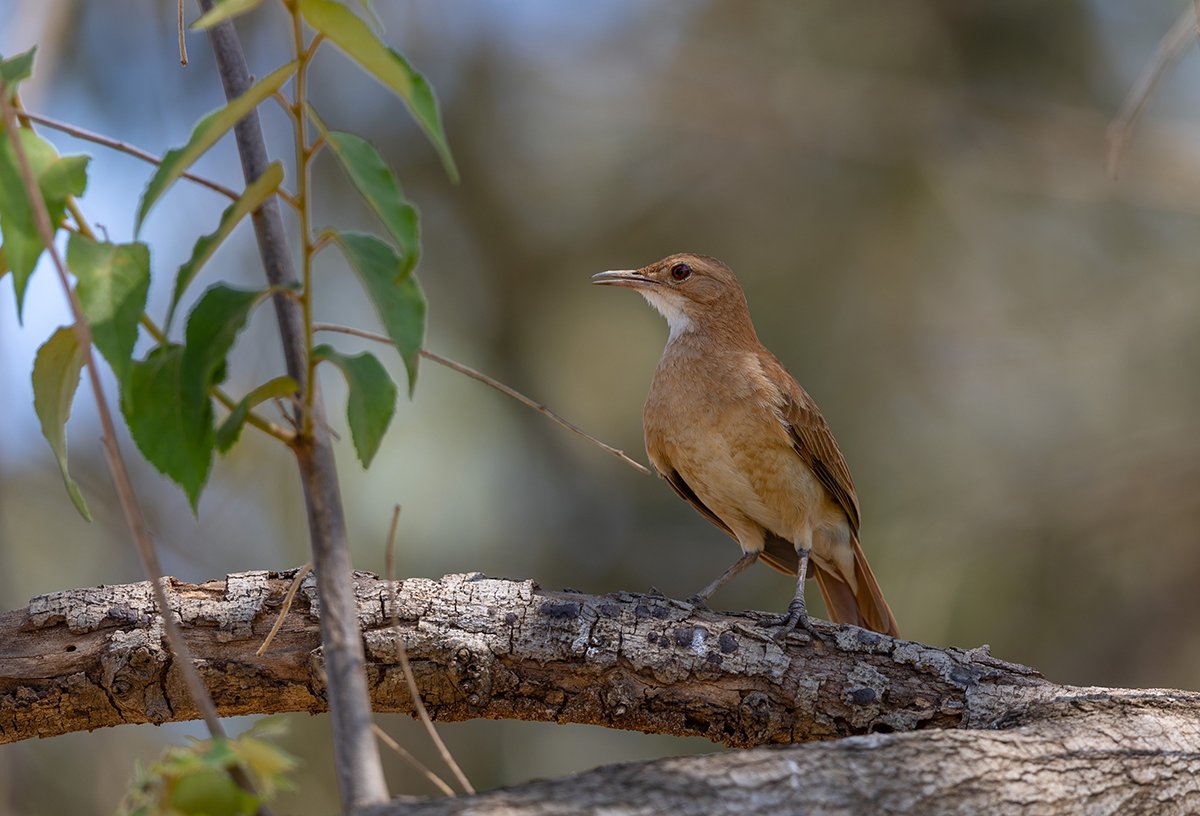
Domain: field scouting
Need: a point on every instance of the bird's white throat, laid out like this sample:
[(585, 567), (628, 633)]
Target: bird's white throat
[(677, 319)]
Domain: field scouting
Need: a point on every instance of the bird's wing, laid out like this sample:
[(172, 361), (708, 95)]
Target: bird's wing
[(685, 492), (813, 441)]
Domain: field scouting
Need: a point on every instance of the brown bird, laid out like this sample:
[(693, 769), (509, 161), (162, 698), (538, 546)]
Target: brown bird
[(735, 435)]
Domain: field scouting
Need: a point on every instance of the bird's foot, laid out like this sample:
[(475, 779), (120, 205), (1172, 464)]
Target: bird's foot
[(698, 603), (795, 618)]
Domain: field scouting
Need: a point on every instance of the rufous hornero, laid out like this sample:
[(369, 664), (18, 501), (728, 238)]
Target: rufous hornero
[(736, 436)]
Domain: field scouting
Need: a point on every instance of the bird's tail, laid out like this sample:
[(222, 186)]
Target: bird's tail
[(865, 606)]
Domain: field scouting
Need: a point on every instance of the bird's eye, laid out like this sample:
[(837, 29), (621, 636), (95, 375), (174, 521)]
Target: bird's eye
[(680, 272)]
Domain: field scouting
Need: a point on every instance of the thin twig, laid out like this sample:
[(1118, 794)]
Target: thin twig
[(499, 386), (125, 147), (356, 756), (287, 605), (416, 764), (182, 45), (402, 653), (116, 463), (1170, 48)]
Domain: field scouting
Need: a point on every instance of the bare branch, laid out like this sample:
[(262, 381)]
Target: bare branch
[(183, 60), (301, 574), (1182, 34), (412, 761), (499, 386), (124, 147), (498, 649), (357, 763)]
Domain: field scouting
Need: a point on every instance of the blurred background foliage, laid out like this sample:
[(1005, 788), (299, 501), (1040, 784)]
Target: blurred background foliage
[(1003, 338)]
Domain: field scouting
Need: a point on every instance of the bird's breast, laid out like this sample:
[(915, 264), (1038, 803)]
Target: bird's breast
[(716, 421)]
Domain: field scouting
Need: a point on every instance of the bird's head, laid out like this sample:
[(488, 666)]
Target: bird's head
[(693, 292)]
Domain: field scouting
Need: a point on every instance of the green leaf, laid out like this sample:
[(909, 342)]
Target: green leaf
[(371, 402), (208, 130), (375, 181), (356, 39), (174, 435), (15, 69), (57, 178), (224, 10), (55, 379), (231, 428), (113, 282), (251, 199), (212, 327), (395, 292)]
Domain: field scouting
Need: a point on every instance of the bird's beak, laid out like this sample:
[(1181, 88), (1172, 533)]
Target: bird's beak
[(631, 278)]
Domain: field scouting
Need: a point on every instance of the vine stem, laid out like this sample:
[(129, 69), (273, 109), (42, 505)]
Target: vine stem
[(479, 376), (357, 762), (127, 496)]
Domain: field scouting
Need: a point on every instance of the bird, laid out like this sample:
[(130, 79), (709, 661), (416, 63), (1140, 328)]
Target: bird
[(738, 438)]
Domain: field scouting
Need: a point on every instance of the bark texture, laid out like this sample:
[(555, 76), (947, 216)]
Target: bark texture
[(88, 658)]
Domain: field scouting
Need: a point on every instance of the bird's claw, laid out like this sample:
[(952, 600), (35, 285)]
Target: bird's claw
[(698, 603), (795, 618)]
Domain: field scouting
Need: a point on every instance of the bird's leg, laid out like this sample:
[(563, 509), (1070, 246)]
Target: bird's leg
[(797, 614), (701, 597)]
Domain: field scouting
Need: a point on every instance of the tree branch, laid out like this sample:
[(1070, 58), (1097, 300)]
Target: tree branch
[(356, 758), (483, 647), (965, 727), (1068, 768)]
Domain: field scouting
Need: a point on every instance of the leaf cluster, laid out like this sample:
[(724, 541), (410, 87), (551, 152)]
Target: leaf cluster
[(170, 392)]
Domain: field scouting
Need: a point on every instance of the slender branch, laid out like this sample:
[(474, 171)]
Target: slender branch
[(1170, 48), (499, 386), (304, 200), (125, 147), (406, 667), (183, 59), (116, 463), (357, 762), (415, 763), (301, 574)]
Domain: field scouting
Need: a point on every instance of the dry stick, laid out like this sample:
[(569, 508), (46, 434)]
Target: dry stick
[(406, 667), (499, 386), (116, 463), (1170, 47), (287, 605), (417, 765), (357, 762), (182, 44)]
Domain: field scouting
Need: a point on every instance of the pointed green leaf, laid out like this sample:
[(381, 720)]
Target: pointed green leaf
[(55, 378), (371, 402), (113, 282), (395, 292), (15, 69), (208, 130), (375, 181), (251, 199), (57, 177), (356, 39), (229, 430), (224, 10), (175, 435), (212, 327)]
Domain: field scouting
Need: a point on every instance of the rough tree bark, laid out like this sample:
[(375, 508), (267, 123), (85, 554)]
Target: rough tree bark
[(87, 658)]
